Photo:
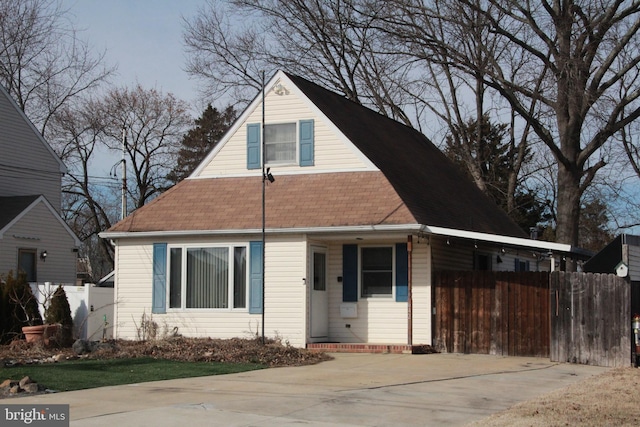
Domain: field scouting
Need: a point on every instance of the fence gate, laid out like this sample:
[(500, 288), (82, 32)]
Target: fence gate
[(486, 312), (590, 319)]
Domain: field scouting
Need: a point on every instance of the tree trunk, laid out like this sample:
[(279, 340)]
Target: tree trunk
[(568, 211)]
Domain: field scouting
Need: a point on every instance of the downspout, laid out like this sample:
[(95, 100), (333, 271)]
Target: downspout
[(409, 293)]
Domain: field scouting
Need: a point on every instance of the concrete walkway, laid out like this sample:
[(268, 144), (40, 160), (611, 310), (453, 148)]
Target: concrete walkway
[(352, 390)]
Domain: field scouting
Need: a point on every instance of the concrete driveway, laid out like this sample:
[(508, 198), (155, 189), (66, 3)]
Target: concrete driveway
[(352, 390)]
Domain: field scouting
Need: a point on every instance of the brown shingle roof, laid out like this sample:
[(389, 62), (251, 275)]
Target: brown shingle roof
[(314, 200)]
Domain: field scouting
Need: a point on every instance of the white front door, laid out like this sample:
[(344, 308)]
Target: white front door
[(319, 297)]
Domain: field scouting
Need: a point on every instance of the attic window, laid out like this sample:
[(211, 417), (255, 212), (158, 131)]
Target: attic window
[(280, 143)]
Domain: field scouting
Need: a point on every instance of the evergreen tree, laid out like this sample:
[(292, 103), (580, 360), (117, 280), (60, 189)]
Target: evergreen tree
[(200, 140), (480, 151), (594, 230), (59, 312)]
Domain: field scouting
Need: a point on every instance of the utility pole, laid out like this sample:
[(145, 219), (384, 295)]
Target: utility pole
[(124, 173), (264, 177)]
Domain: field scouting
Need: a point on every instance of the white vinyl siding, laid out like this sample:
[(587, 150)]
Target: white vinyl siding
[(284, 301), (39, 230), (421, 290), (382, 320), (330, 151), (28, 167)]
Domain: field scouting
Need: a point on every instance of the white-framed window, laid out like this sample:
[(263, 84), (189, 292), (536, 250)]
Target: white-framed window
[(281, 143), (376, 271), (208, 277)]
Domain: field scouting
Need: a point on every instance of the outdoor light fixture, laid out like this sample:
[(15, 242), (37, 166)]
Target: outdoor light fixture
[(43, 255), (268, 175)]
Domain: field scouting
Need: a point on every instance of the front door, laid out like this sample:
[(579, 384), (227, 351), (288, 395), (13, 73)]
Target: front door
[(319, 298)]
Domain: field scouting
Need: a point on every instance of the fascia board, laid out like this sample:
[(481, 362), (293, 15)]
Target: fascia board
[(506, 240)]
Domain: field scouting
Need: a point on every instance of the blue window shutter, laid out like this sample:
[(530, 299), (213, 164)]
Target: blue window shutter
[(517, 265), (159, 295), (306, 142), (255, 277), (349, 273), (253, 146), (402, 272)]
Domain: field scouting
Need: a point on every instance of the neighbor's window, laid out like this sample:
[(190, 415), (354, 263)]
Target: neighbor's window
[(27, 263), (280, 143), (209, 277), (376, 271)]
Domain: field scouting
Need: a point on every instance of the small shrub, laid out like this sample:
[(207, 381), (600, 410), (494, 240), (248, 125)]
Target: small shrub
[(148, 329), (59, 312)]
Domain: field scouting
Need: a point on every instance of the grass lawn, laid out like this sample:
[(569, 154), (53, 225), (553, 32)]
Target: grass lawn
[(82, 374)]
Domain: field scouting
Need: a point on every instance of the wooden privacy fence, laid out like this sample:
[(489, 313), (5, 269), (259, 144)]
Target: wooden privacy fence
[(485, 312), (590, 319)]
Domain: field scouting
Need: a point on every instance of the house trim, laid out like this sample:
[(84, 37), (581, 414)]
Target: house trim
[(397, 228), (409, 228), (507, 240)]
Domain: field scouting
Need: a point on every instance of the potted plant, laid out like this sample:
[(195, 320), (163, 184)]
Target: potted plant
[(23, 307)]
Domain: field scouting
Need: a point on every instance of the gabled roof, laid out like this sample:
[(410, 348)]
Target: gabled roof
[(16, 207), (432, 187), (416, 185)]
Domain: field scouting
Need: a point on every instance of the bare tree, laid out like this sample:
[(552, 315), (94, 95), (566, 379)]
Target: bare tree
[(330, 42), (569, 60), (153, 124), (88, 203), (43, 63)]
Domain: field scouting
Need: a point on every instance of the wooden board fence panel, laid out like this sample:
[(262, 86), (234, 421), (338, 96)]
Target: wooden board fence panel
[(503, 313), (590, 319)]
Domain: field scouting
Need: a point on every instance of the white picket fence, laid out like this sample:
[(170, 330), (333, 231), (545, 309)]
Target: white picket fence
[(92, 308)]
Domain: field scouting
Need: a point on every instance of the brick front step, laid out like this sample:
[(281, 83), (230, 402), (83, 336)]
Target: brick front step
[(369, 348)]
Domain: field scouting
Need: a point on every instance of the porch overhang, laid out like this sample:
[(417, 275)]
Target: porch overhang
[(537, 245)]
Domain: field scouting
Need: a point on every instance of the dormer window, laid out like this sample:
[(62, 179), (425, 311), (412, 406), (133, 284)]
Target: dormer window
[(280, 143)]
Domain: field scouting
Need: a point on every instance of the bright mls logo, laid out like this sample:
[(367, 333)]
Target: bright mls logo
[(35, 415)]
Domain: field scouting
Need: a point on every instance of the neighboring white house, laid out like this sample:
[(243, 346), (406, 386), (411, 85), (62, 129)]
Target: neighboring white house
[(33, 236), (362, 210)]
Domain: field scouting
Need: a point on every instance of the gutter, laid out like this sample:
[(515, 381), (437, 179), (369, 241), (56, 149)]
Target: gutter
[(395, 228), (507, 240), (411, 228)]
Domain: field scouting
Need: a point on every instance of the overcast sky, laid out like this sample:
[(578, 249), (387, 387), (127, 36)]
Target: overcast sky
[(144, 39)]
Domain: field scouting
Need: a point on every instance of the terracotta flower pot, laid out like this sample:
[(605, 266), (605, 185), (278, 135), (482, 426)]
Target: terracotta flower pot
[(38, 333)]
